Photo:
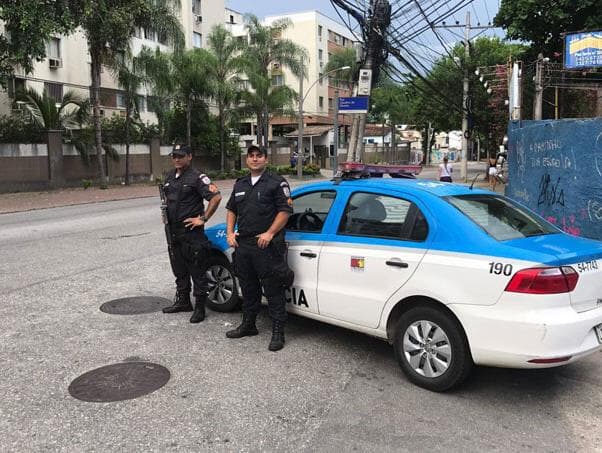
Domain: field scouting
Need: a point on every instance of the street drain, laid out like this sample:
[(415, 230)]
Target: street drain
[(119, 382), (134, 305)]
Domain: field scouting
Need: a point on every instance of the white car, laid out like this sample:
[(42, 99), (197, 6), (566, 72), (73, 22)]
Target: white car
[(449, 275)]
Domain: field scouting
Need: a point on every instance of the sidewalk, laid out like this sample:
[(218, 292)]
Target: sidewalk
[(27, 201)]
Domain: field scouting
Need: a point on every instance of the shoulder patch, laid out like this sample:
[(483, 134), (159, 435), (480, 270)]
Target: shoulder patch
[(203, 177)]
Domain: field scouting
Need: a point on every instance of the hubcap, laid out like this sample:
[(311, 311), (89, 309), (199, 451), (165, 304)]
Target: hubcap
[(221, 284), (427, 348)]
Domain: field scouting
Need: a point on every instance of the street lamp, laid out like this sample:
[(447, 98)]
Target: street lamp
[(300, 126)]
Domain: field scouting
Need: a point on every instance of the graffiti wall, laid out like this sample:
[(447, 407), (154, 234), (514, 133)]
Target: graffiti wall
[(555, 168)]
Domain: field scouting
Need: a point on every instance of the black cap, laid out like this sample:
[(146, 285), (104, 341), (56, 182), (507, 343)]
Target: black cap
[(180, 150), (255, 149)]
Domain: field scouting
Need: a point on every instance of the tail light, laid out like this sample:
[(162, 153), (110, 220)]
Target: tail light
[(544, 280)]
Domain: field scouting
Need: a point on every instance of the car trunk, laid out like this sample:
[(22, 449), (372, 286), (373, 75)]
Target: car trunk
[(583, 255)]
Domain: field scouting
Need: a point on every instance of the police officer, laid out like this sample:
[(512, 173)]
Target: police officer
[(260, 204), (185, 190)]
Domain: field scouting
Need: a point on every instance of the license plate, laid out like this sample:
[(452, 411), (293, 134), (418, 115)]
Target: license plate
[(598, 330)]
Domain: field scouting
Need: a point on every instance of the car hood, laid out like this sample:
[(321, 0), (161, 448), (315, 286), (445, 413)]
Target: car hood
[(562, 248)]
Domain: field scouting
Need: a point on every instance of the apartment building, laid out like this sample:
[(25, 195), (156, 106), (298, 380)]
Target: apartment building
[(67, 66), (321, 37)]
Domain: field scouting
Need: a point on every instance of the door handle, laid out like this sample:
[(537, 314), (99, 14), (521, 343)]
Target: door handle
[(397, 264), (308, 254)]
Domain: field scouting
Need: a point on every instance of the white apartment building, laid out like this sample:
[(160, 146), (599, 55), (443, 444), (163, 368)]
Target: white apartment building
[(67, 66), (321, 37)]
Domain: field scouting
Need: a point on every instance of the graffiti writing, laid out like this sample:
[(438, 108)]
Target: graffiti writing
[(594, 210), (550, 194)]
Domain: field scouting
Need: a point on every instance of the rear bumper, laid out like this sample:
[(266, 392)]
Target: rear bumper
[(509, 338)]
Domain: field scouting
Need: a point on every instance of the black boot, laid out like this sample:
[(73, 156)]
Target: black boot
[(277, 341), (199, 310), (181, 302), (246, 329)]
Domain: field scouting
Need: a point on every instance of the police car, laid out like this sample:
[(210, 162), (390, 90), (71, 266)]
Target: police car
[(451, 276)]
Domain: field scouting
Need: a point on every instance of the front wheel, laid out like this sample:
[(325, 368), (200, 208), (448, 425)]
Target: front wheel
[(431, 349), (223, 289)]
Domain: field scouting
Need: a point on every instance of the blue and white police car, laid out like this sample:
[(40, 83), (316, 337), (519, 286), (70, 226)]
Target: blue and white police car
[(451, 276)]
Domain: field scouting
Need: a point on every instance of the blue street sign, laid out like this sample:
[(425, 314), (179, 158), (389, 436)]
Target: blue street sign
[(583, 50), (354, 105)]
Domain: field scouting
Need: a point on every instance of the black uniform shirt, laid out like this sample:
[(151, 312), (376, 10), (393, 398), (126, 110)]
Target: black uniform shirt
[(256, 206), (194, 187)]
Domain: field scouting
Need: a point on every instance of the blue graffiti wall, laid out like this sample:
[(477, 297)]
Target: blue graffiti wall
[(555, 168)]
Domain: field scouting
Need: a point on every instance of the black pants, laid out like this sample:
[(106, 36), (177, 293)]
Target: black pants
[(253, 267), (190, 255)]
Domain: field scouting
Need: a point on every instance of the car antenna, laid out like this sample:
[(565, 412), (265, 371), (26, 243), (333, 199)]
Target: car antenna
[(473, 181)]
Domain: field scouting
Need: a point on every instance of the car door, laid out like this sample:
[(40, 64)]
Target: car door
[(379, 243), (304, 235)]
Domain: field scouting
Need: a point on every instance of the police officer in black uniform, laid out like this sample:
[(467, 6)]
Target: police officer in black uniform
[(260, 204), (186, 188)]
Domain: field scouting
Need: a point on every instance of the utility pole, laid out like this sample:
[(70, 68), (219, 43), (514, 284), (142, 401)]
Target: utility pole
[(538, 100), (465, 101), (300, 126), (335, 160)]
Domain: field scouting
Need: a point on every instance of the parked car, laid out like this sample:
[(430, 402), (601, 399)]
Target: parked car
[(450, 276)]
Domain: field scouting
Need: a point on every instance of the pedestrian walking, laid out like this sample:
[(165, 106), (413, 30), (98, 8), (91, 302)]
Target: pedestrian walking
[(260, 206), (185, 191), (492, 173), (445, 170)]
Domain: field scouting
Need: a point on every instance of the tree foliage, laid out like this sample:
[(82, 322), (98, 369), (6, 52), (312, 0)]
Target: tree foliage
[(542, 22), (28, 25)]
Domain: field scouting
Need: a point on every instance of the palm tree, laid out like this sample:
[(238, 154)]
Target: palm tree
[(49, 114), (265, 48), (224, 65), (130, 81), (180, 75), (340, 59), (109, 26)]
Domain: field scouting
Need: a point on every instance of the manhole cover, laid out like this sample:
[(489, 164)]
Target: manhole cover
[(122, 381), (135, 305)]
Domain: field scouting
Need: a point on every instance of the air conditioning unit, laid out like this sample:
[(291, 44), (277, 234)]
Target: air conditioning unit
[(54, 63), (199, 18)]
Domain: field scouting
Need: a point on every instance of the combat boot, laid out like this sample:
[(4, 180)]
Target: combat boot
[(277, 341), (199, 310), (246, 329), (181, 302)]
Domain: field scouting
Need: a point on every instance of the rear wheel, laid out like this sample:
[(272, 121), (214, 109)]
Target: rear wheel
[(431, 349), (223, 289)]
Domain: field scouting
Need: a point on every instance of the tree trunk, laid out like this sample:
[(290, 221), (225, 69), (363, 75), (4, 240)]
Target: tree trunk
[(222, 139), (189, 121), (95, 65), (127, 145), (258, 132)]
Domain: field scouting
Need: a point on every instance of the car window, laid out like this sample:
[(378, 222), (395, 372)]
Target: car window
[(374, 215), (310, 211), (500, 217)]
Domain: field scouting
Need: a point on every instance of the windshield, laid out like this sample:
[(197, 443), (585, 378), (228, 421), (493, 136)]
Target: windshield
[(500, 217)]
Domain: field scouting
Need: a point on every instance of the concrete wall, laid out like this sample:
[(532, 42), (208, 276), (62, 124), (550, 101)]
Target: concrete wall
[(555, 168)]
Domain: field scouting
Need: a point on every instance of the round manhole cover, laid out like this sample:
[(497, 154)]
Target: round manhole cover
[(118, 382), (135, 305)]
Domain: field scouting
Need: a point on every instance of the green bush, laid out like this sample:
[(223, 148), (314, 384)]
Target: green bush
[(311, 169), (15, 129)]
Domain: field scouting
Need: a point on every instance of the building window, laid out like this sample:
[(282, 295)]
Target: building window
[(54, 48), (344, 41), (330, 104), (321, 102), (15, 86), (197, 40), (120, 100), (196, 6), (320, 54), (149, 34), (140, 102), (231, 19), (321, 78), (54, 91), (277, 80), (319, 33)]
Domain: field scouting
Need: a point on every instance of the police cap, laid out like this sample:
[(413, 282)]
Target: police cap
[(256, 149), (180, 150)]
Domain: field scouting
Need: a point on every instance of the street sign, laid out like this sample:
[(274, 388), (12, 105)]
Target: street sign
[(354, 105), (583, 50)]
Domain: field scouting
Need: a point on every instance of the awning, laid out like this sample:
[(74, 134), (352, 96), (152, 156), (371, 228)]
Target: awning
[(310, 131)]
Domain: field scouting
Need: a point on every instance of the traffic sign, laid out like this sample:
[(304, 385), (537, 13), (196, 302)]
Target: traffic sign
[(354, 104)]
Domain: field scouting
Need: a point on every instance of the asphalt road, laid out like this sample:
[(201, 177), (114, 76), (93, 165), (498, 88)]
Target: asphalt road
[(328, 390)]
